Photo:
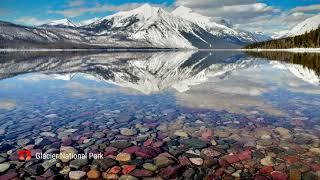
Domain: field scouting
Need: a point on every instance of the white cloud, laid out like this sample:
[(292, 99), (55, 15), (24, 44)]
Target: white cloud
[(252, 15), (98, 8), (315, 7), (272, 23), (76, 3), (212, 3), (33, 21), (237, 11)]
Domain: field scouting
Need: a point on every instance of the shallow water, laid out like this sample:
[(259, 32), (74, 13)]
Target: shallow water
[(266, 105)]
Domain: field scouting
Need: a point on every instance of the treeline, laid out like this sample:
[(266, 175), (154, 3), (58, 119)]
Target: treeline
[(308, 40), (307, 60)]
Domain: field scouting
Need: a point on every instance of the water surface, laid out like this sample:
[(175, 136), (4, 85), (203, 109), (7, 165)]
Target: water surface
[(265, 103)]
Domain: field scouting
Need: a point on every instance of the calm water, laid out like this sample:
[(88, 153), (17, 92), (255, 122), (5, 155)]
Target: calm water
[(268, 104)]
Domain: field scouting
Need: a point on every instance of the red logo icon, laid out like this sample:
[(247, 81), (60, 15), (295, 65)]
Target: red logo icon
[(24, 154)]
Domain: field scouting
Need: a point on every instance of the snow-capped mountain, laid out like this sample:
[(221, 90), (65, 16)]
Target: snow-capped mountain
[(11, 33), (143, 27), (61, 23), (216, 29), (181, 28), (306, 26), (150, 24), (159, 28)]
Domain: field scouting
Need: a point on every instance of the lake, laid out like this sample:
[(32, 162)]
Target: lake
[(161, 115)]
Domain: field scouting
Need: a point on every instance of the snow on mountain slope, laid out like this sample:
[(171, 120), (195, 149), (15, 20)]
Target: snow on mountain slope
[(281, 34), (208, 24), (147, 23), (143, 27), (29, 34), (61, 23), (305, 26), (164, 29)]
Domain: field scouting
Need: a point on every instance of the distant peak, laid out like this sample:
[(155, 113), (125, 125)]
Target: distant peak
[(63, 22), (182, 9), (146, 7), (60, 21), (146, 10)]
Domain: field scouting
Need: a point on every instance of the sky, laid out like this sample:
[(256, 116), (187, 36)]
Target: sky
[(267, 16)]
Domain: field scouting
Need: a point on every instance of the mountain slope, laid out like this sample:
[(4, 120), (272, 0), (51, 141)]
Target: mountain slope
[(218, 29), (60, 23), (306, 26), (17, 36), (307, 40), (143, 27), (162, 29), (153, 25)]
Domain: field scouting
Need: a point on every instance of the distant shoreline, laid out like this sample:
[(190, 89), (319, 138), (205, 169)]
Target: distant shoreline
[(294, 50)]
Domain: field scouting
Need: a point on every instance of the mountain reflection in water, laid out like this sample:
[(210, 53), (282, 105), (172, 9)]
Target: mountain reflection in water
[(262, 108), (230, 81)]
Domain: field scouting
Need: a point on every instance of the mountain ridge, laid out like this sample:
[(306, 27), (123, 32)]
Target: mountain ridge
[(145, 26)]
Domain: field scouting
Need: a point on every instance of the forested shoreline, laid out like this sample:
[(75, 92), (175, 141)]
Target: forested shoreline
[(307, 40)]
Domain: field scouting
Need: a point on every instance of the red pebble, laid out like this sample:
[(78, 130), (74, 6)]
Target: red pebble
[(266, 170), (128, 169), (184, 161), (291, 159), (131, 149), (115, 170), (157, 144), (245, 155), (147, 142), (232, 159), (277, 175), (315, 167), (170, 172), (219, 172), (223, 163)]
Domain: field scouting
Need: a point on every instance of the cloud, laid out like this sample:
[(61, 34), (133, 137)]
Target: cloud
[(271, 23), (311, 8), (98, 8), (76, 3), (33, 21), (212, 3), (241, 11), (230, 8), (237, 11), (252, 15)]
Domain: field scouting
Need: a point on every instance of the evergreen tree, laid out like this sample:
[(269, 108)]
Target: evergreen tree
[(308, 40)]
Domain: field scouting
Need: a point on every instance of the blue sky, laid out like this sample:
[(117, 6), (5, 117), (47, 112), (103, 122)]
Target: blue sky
[(275, 14)]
